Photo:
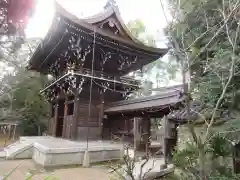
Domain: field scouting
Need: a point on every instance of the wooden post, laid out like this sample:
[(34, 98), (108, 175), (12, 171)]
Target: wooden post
[(148, 136), (9, 131), (165, 142), (65, 123), (168, 139), (14, 132), (54, 123), (101, 114), (51, 119), (136, 133), (75, 117)]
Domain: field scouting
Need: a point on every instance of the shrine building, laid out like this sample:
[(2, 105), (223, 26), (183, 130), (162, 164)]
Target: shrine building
[(89, 60)]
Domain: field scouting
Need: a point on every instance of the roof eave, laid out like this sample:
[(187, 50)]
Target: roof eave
[(157, 51)]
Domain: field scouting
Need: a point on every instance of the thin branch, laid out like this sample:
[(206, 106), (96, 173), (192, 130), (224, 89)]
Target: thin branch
[(226, 25), (223, 132), (116, 170), (206, 19), (200, 115), (202, 35), (231, 74), (218, 31)]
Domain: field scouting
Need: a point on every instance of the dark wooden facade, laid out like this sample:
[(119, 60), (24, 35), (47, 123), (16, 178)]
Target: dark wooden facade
[(122, 116), (88, 59)]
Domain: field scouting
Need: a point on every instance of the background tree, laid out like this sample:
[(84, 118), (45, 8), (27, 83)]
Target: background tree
[(19, 93), (204, 36), (159, 72)]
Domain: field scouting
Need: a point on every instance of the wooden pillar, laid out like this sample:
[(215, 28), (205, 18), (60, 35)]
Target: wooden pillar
[(9, 131), (168, 139), (49, 125), (65, 122), (148, 136), (54, 123), (14, 132), (136, 133), (101, 114), (75, 117)]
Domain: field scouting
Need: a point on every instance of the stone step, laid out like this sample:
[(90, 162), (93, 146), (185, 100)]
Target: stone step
[(11, 152), (2, 154), (22, 149)]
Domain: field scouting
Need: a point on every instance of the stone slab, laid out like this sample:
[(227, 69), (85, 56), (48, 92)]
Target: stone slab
[(57, 159), (62, 152), (51, 151)]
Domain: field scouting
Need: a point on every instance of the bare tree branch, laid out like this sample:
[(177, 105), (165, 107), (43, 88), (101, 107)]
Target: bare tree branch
[(231, 74)]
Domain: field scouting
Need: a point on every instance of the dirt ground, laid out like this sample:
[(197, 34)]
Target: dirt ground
[(77, 173)]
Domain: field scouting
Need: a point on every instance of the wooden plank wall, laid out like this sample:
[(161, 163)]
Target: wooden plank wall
[(88, 124)]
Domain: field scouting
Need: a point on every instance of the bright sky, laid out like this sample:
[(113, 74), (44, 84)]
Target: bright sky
[(148, 11)]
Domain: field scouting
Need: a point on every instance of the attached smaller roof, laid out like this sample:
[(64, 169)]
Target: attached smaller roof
[(169, 97), (181, 115)]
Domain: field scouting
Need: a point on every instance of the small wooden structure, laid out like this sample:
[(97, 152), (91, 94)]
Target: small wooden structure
[(88, 59), (9, 128), (131, 118)]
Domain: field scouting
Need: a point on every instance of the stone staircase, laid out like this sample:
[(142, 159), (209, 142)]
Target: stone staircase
[(21, 149), (2, 154)]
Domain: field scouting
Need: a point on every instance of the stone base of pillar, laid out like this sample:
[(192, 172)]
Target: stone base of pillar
[(122, 152), (86, 162)]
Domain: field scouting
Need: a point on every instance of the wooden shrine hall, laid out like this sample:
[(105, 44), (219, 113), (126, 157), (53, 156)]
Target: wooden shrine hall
[(89, 60)]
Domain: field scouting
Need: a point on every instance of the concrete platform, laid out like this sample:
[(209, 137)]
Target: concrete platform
[(60, 152), (23, 149)]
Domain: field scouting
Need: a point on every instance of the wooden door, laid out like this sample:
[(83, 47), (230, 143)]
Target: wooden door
[(69, 117), (60, 119)]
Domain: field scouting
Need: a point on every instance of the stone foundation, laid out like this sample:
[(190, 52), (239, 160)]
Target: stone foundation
[(60, 152), (57, 159)]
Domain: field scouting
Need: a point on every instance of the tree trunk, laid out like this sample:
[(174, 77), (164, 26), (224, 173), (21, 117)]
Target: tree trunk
[(202, 163)]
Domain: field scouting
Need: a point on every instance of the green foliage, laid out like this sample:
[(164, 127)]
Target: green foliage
[(160, 71), (209, 66), (220, 147), (217, 152), (31, 106), (228, 175), (136, 27), (25, 103)]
